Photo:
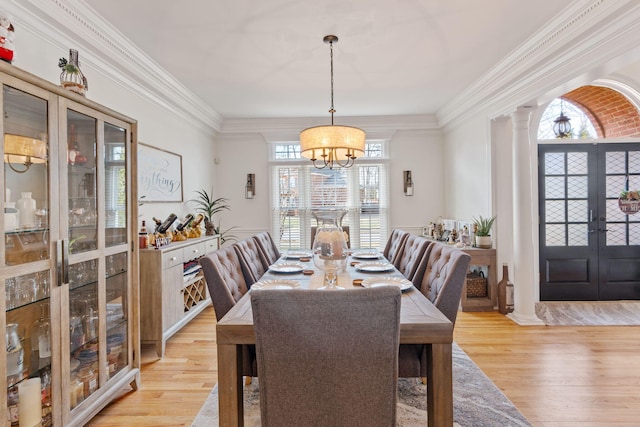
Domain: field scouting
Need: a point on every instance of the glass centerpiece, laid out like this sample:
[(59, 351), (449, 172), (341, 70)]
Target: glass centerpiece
[(329, 245)]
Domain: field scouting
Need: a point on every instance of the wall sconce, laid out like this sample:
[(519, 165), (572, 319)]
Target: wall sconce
[(23, 150), (408, 183), (250, 187)]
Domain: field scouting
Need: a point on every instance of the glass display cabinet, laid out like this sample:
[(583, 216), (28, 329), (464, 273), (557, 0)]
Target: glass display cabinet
[(68, 259)]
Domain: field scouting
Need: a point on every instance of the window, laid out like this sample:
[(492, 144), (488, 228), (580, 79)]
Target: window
[(298, 187), (581, 125)]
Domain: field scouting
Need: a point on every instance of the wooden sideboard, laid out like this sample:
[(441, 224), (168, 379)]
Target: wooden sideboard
[(171, 295), (485, 258)]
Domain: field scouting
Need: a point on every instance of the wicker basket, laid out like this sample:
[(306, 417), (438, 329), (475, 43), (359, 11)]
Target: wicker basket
[(476, 285)]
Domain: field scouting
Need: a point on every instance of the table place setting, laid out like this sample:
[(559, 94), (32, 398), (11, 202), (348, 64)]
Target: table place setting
[(374, 282), (374, 267), (304, 256), (287, 268), (366, 255), (276, 284)]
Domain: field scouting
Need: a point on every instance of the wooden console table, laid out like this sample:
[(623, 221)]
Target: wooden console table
[(169, 296), (482, 257)]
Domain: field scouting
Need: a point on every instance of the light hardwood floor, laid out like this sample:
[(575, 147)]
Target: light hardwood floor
[(556, 376)]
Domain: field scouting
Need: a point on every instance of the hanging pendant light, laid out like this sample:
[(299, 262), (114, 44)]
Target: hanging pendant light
[(562, 125), (327, 146)]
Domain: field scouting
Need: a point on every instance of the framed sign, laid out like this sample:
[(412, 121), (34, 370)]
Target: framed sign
[(159, 175)]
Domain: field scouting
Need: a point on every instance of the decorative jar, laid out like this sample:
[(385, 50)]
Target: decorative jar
[(71, 77), (330, 245)]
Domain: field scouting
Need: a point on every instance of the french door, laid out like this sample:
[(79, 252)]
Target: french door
[(589, 249)]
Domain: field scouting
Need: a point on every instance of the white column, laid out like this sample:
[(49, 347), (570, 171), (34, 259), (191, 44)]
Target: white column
[(523, 224)]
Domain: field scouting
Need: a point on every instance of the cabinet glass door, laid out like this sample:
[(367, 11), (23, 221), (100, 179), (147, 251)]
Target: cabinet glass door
[(82, 140), (116, 228), (25, 257)]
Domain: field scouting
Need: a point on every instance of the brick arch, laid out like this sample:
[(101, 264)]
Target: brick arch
[(611, 113)]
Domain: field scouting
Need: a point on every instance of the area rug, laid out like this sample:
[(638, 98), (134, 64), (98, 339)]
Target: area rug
[(589, 313), (477, 402)]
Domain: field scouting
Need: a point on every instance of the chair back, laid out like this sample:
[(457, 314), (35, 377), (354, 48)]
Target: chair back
[(225, 279), (252, 261), (394, 245), (345, 229), (267, 246), (445, 270), (411, 253), (327, 358)]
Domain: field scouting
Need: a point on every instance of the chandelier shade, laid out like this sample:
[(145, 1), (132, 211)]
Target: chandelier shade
[(23, 150), (333, 145)]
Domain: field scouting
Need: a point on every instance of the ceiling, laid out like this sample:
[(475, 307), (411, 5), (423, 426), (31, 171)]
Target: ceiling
[(266, 59)]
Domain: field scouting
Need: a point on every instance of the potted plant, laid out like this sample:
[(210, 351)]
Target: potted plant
[(208, 207), (483, 231)]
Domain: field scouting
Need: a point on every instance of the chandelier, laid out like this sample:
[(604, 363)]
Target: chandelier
[(327, 146), (562, 125), (23, 150)]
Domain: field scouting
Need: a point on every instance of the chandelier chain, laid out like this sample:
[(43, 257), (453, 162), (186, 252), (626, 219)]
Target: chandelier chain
[(332, 110)]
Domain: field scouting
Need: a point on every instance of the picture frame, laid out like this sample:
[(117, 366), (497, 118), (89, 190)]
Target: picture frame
[(159, 175)]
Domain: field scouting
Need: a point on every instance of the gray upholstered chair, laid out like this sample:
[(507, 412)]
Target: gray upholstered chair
[(442, 273), (267, 246), (394, 244), (411, 253), (226, 284), (345, 346), (252, 260)]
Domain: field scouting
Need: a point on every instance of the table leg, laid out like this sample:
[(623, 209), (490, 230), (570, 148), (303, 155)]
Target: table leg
[(230, 410), (439, 385)]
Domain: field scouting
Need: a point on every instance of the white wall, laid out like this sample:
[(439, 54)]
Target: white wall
[(157, 125), (421, 152), (467, 172)]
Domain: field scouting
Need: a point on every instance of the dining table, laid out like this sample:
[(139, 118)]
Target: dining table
[(420, 323)]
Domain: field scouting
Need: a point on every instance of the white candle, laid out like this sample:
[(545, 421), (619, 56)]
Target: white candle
[(29, 404)]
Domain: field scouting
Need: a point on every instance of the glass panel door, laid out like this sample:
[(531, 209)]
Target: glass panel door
[(115, 181), (26, 252), (83, 224)]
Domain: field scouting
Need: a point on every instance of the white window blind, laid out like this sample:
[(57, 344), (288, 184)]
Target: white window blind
[(298, 187)]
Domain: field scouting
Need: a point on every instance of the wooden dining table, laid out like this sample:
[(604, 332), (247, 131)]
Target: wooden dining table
[(420, 323)]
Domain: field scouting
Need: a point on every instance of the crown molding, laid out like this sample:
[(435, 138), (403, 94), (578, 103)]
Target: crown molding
[(65, 23), (367, 123), (564, 54)]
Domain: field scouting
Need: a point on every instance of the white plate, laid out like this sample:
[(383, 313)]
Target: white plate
[(374, 282), (374, 267), (287, 268), (366, 255), (276, 284), (298, 254)]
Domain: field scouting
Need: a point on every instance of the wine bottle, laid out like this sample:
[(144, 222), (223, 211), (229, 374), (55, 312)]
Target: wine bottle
[(143, 236), (158, 223), (185, 222), (167, 223), (196, 222)]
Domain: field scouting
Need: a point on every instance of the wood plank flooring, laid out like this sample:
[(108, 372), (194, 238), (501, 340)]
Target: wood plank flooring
[(556, 376)]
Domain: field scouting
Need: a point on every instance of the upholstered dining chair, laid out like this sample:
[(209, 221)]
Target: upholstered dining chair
[(252, 260), (345, 343), (226, 284), (412, 251), (394, 244), (441, 273), (267, 246)]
